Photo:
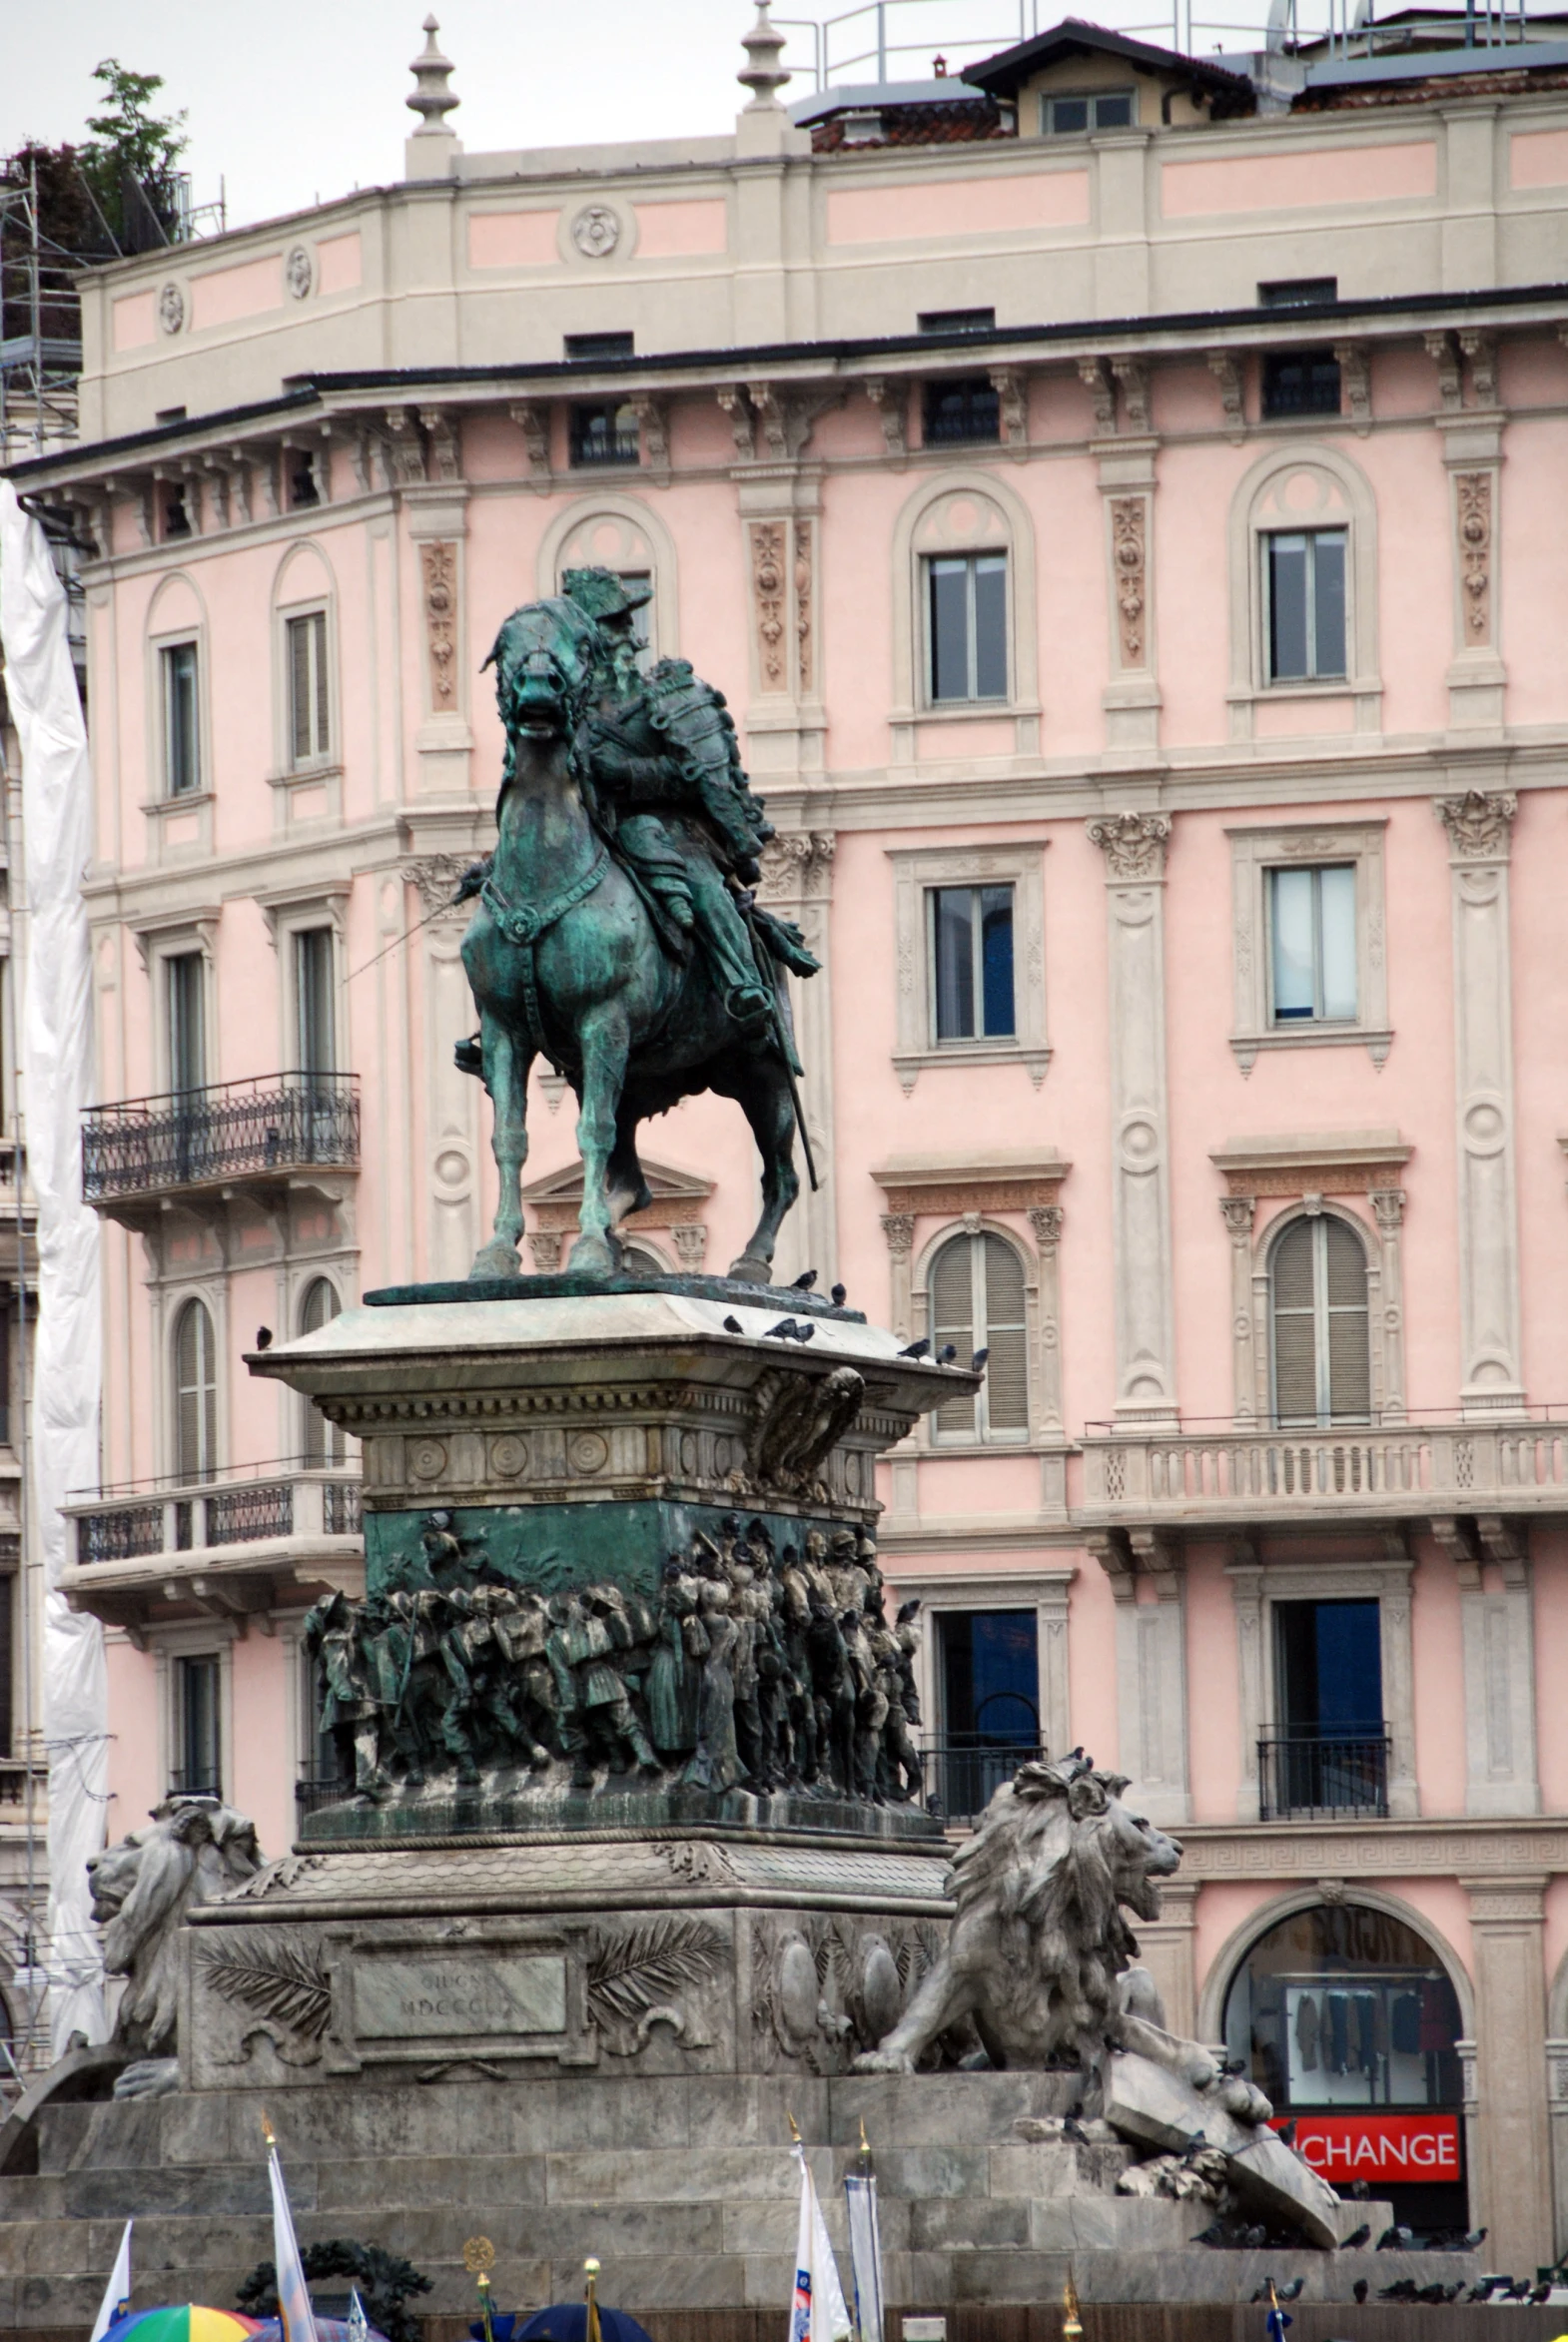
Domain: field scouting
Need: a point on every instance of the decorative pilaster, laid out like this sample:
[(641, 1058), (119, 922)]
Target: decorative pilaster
[(1498, 1627), (452, 1101), (1247, 1594), (1046, 1222), (1239, 1213), (1479, 827), (1472, 441), (797, 882), (1133, 845), (1167, 1947), (1051, 1615), (1388, 1211), (1510, 2181), (1150, 1667)]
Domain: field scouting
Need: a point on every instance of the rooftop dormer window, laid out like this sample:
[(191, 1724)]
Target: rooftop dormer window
[(1075, 117), (590, 349), (964, 408)]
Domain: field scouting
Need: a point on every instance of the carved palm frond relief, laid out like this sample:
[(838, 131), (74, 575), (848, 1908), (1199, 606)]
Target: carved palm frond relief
[(630, 1972), (281, 1980)]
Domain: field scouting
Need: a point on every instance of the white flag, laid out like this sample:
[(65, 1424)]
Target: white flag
[(117, 2294), (865, 2253), (294, 2295), (818, 2313)]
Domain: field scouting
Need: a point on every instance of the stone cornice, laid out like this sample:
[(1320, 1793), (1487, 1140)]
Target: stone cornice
[(1516, 1850)]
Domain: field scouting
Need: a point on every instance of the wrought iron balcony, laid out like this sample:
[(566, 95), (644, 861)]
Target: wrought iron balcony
[(964, 1774), (1315, 1777), (231, 1546), (1236, 1477), (276, 1130)]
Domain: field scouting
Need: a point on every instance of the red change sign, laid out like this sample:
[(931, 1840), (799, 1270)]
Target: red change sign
[(1389, 2148)]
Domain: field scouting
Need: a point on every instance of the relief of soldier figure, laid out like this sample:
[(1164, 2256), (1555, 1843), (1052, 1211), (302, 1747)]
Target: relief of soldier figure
[(761, 1667), (616, 931)]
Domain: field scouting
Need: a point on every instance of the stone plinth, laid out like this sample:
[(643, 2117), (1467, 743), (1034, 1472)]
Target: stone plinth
[(681, 2184), (623, 1956)]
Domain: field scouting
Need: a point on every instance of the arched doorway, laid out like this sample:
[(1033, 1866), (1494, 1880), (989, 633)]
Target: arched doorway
[(1348, 2020)]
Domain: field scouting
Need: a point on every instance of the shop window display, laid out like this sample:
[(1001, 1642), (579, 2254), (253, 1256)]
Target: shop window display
[(1347, 2019)]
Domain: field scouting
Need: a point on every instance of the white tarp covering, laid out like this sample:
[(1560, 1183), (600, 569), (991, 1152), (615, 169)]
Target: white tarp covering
[(57, 1074)]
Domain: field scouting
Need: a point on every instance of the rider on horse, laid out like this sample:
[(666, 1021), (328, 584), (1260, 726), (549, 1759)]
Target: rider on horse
[(681, 820)]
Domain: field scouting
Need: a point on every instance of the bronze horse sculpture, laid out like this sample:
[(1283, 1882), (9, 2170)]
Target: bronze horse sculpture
[(583, 946)]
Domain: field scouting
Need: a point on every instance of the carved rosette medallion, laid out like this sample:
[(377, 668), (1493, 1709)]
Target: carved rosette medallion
[(1475, 553), (1133, 844), (767, 585), (440, 622), (597, 231), (1129, 518), (1479, 824)]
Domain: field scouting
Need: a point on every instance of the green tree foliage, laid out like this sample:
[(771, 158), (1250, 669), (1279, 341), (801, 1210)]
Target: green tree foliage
[(129, 160)]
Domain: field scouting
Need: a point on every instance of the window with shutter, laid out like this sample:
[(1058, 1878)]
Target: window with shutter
[(978, 1302), (309, 728), (322, 1444), (1322, 1359), (196, 1394)]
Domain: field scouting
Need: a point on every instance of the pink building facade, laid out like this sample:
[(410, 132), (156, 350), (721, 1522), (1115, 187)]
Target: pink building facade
[(1121, 503)]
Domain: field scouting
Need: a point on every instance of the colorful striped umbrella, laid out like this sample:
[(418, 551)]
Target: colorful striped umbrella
[(190, 2322)]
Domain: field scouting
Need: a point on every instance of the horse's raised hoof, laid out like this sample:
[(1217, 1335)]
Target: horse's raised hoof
[(500, 1258), (595, 1255), (748, 1269)]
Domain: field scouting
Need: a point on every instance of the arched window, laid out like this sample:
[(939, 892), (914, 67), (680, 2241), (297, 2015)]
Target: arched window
[(965, 621), (642, 1260), (322, 1443), (1343, 2010), (1317, 1301), (976, 1302), (194, 1393), (1303, 582), (618, 532)]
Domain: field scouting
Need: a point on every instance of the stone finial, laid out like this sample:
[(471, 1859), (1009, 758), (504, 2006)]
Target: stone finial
[(431, 97), (763, 72)]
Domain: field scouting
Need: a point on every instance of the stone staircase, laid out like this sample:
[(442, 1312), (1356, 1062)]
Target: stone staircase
[(683, 2185)]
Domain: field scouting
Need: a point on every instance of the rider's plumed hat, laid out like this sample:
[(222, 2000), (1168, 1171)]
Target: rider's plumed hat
[(603, 594)]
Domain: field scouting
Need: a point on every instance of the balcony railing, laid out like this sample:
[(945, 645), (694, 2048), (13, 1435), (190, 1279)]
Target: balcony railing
[(302, 1501), (1316, 1778), (270, 1127), (964, 1774), (1236, 1474)]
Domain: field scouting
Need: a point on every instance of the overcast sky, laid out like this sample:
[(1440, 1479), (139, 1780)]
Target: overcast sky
[(294, 99)]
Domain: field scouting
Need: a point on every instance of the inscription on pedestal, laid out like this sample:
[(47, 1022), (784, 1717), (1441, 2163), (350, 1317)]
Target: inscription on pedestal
[(401, 1999)]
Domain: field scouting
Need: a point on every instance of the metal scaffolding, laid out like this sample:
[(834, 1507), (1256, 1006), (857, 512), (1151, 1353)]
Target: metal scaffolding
[(38, 367)]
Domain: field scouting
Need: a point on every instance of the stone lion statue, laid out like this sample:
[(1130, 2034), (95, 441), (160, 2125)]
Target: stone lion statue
[(195, 1850), (1040, 1963)]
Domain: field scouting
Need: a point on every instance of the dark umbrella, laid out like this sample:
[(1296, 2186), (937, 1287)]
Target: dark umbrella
[(567, 2321)]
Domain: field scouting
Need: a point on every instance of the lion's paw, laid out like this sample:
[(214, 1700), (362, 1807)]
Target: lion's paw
[(1198, 2069), (884, 2062), (1239, 2098)]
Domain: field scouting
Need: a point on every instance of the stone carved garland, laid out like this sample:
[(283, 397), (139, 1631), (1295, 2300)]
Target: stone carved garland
[(1475, 552), (1129, 518), (439, 562), (767, 579), (803, 638)]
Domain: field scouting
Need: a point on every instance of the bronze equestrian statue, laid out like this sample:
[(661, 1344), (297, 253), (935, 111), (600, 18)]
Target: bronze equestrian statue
[(617, 934)]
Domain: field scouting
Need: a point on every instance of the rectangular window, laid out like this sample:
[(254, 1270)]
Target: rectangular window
[(1304, 594), (966, 409), (309, 727), (1330, 1751), (303, 490), (182, 760), (606, 434), (972, 963), (957, 321), (991, 1677), (582, 349), (1095, 110), (1300, 382), (200, 1763), (967, 599), (1311, 925), (1297, 292), (184, 975), (312, 982)]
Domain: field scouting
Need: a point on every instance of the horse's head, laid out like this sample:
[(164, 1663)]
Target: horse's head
[(544, 657)]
